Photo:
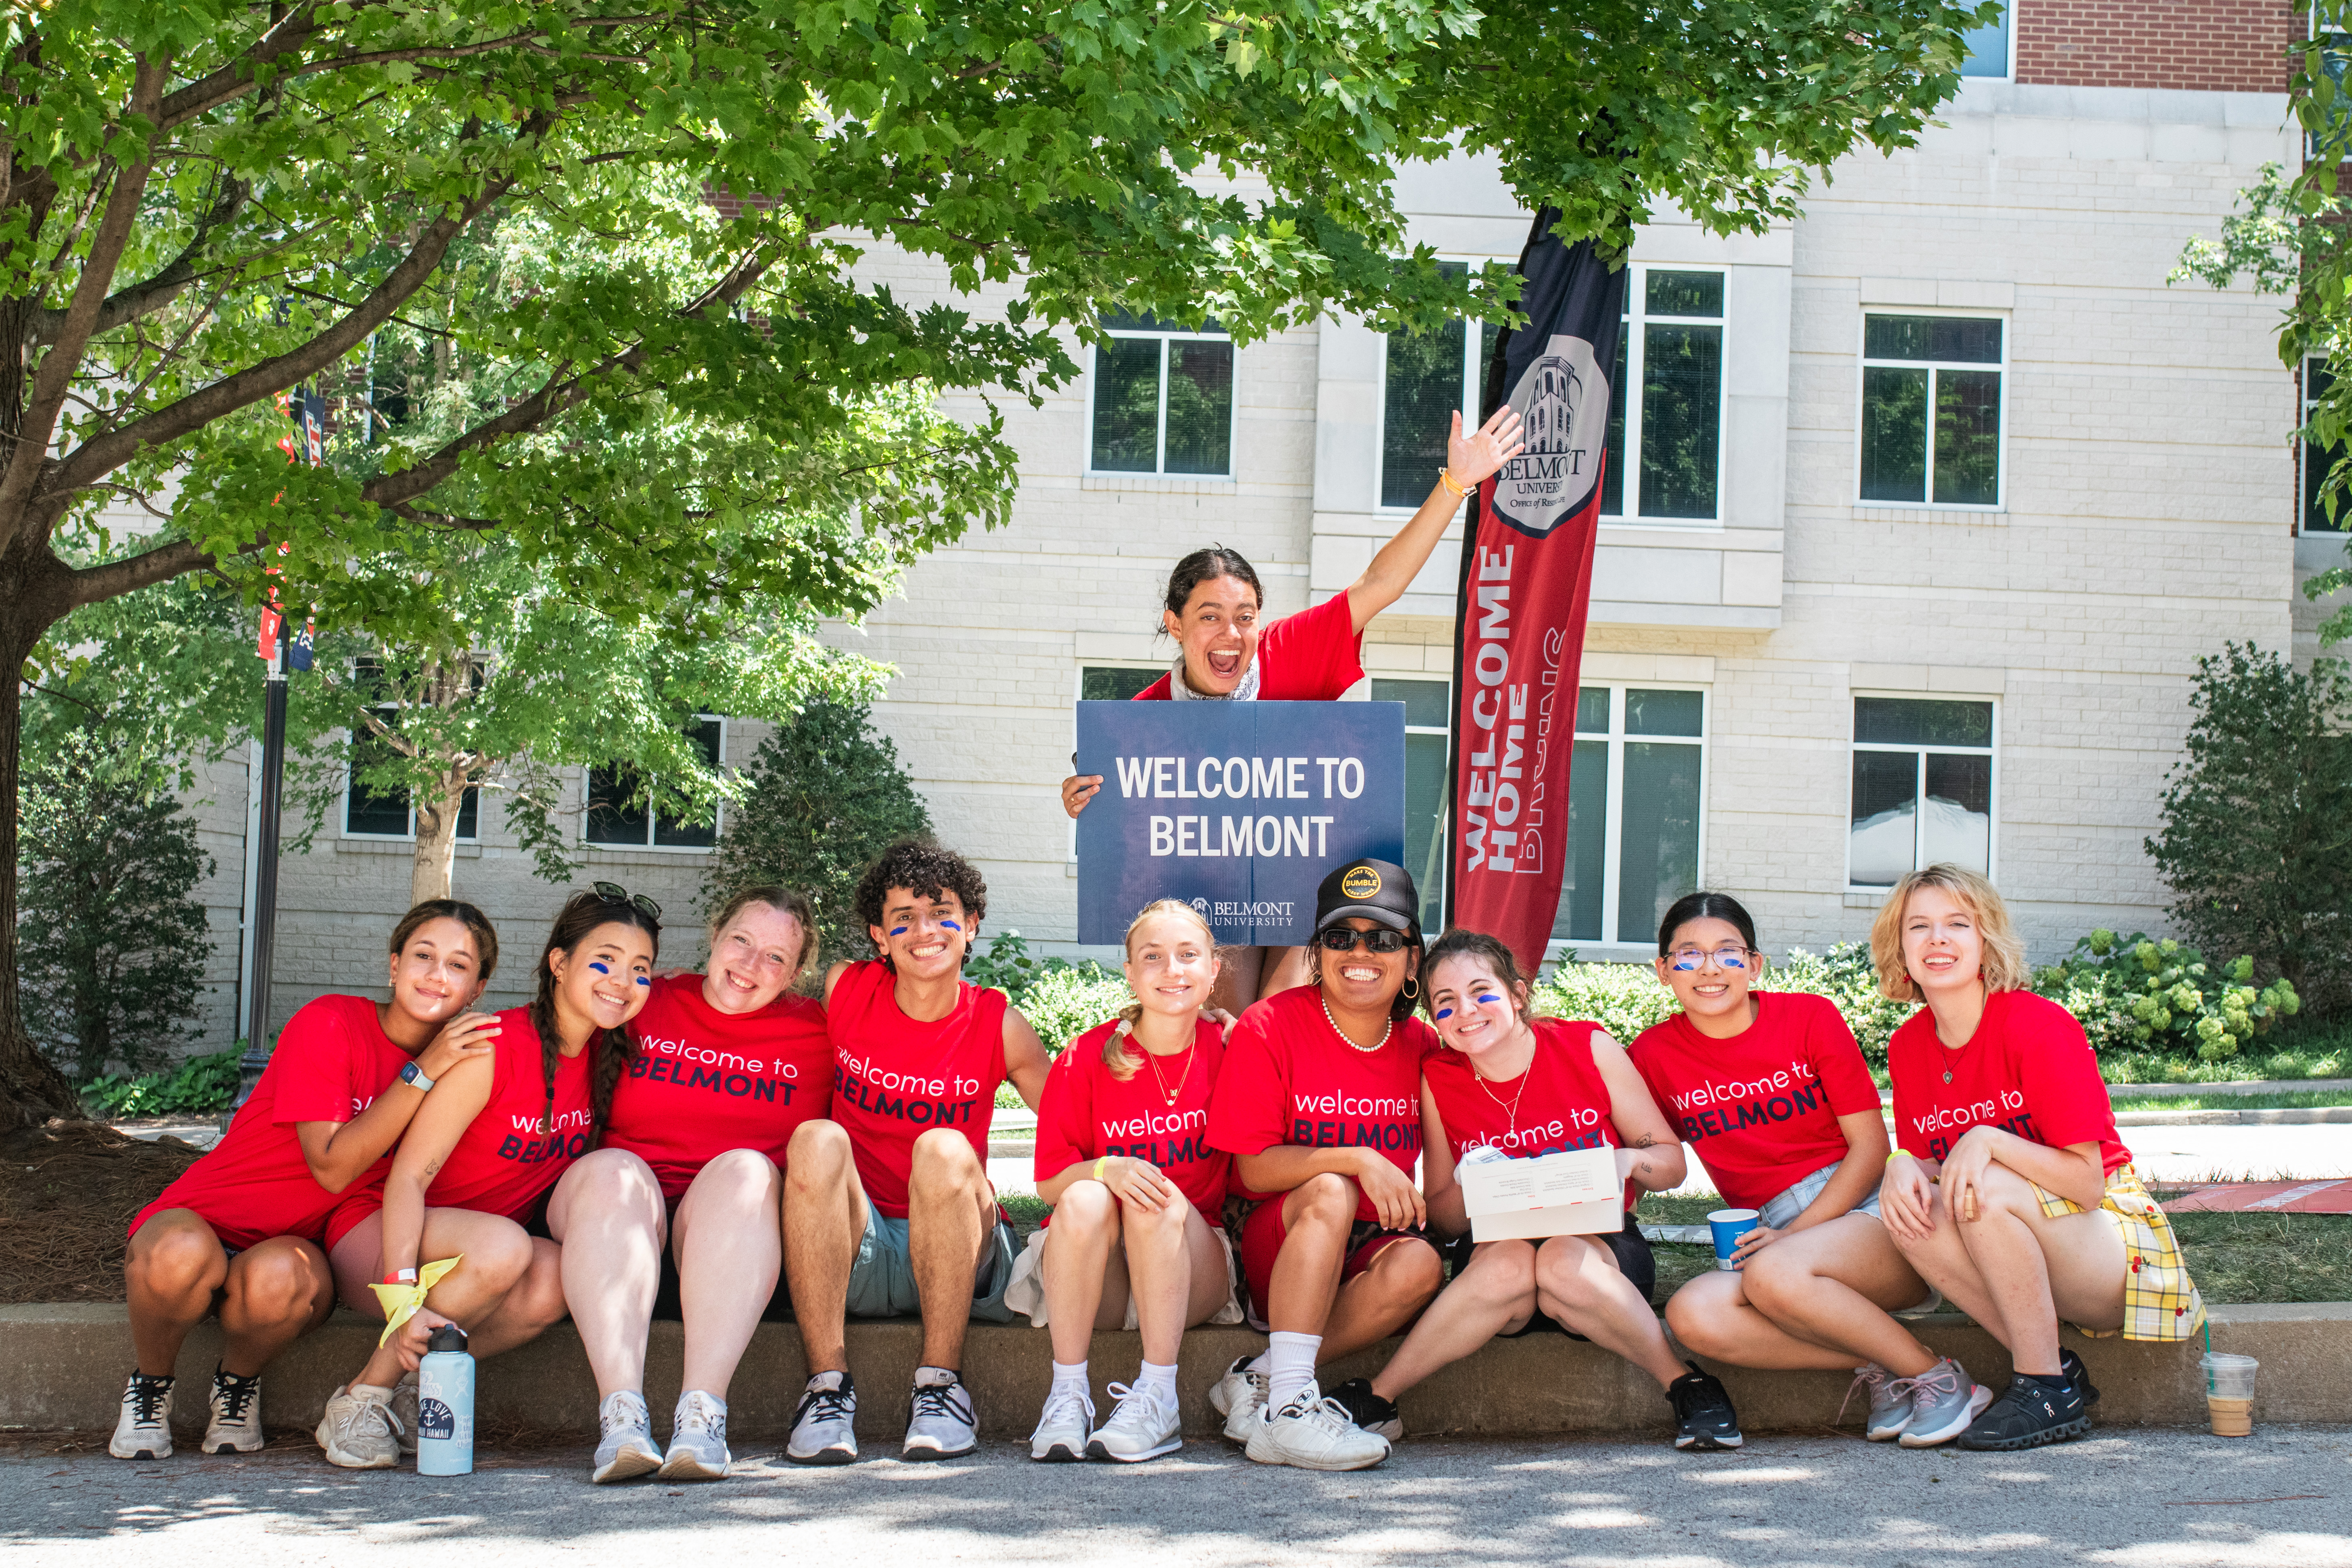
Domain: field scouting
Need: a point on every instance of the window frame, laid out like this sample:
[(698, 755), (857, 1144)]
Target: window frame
[(1445, 684), (653, 817), (1613, 827), (2305, 450), (343, 821), (2009, 50), (1992, 793), (1863, 363), (1474, 390), (1636, 340), (1159, 471)]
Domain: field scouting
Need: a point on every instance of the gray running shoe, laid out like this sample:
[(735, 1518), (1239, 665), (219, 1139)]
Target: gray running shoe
[(940, 1425), (358, 1429), (403, 1413), (1238, 1396), (234, 1426), (1890, 1402), (698, 1440), (1944, 1402), (624, 1447), (825, 1428), (143, 1430), (1141, 1427), (1061, 1435)]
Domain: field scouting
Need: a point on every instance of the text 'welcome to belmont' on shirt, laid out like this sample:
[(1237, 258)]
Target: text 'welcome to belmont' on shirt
[(2027, 1070), (1760, 1109), (1088, 1112), (895, 1078), (701, 1083), (1291, 1077), (513, 1151)]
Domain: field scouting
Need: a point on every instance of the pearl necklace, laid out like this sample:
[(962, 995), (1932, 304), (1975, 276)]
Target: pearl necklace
[(1352, 1045)]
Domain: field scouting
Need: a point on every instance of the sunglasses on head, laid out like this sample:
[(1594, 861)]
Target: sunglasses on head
[(1341, 939), (613, 893)]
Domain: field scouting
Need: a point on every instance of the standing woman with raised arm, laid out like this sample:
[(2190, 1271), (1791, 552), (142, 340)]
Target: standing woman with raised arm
[(1225, 654)]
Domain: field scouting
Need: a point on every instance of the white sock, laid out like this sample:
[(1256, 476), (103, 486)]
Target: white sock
[(936, 1376), (1159, 1380), (1289, 1365), (1264, 1360), (1071, 1375)]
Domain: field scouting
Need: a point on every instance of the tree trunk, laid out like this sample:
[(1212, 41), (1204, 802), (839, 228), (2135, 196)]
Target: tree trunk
[(32, 1090), (432, 870)]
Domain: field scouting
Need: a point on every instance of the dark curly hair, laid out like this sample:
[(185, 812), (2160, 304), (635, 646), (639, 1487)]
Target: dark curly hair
[(925, 869)]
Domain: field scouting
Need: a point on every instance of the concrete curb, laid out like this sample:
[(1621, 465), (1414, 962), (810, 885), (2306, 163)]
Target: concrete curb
[(2269, 1116), (68, 1363)]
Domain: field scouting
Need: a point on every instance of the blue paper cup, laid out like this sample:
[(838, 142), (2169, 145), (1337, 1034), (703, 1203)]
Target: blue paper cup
[(1730, 1226)]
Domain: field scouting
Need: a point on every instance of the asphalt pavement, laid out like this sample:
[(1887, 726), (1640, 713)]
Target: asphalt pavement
[(2128, 1498)]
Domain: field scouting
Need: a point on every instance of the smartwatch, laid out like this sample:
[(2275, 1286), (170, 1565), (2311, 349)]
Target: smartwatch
[(413, 1074)]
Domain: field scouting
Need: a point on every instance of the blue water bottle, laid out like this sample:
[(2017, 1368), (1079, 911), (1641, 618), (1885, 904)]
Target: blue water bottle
[(444, 1406)]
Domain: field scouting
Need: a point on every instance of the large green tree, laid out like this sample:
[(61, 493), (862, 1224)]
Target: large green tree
[(207, 203)]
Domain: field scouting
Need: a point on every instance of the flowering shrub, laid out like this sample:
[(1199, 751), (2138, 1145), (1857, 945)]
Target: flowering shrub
[(1626, 998), (2138, 993)]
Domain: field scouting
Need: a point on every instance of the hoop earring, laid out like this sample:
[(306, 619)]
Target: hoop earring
[(1411, 989)]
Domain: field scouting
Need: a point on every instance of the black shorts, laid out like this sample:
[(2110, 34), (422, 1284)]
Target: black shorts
[(668, 1305), (1628, 1245)]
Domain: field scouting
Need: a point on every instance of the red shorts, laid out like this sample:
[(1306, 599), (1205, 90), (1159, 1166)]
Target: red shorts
[(1263, 1233), (354, 1208)]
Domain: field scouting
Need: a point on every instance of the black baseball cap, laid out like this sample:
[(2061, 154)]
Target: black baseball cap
[(1379, 890)]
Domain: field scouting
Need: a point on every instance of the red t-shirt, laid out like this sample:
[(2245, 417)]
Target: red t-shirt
[(1311, 657), (1561, 1102), (332, 1059), (504, 1161), (1087, 1113), (1760, 1108), (2027, 1070), (702, 1081), (895, 1078), (1290, 1078)]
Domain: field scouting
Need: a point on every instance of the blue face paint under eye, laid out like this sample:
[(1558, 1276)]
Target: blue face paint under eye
[(897, 931), (645, 980), (1488, 1000), (1444, 1014), (600, 967), (951, 925)]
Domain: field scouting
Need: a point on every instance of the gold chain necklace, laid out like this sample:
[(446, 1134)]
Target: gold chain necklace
[(1512, 1109), (1367, 1050), (1165, 1092)]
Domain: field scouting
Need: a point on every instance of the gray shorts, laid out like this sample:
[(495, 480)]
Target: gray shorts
[(1777, 1214), (882, 1280)]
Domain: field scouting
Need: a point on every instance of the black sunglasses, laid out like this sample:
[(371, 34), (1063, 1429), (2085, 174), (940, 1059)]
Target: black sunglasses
[(613, 893), (1343, 938)]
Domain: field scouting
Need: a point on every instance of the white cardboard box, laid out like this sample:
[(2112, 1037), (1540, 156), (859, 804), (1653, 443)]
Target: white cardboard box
[(1572, 1191)]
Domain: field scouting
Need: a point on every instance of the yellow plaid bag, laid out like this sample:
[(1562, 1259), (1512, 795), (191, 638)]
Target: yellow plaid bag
[(2160, 1302)]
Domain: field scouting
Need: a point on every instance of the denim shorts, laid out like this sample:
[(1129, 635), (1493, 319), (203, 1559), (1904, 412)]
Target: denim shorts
[(1777, 1214), (882, 1280)]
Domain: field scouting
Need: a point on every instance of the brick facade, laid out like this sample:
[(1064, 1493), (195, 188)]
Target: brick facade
[(2197, 46)]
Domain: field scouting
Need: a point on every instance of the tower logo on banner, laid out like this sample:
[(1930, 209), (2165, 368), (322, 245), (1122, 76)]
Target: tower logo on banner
[(1527, 584)]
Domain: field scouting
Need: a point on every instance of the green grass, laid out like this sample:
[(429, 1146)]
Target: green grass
[(2233, 1258), (2311, 1101)]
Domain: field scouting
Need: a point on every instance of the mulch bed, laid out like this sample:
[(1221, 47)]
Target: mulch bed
[(67, 1193)]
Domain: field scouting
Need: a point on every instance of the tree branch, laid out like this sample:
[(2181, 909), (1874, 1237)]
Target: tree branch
[(93, 584), (143, 299)]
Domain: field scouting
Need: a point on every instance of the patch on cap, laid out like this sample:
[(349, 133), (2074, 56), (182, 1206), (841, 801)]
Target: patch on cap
[(1360, 883)]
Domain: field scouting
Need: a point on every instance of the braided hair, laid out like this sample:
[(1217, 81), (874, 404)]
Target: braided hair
[(580, 918)]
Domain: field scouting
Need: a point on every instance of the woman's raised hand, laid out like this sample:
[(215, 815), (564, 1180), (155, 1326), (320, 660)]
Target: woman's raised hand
[(1470, 458), (1078, 789), (463, 1038)]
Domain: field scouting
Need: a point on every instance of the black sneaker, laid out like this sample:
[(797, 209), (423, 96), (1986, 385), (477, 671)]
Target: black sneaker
[(2034, 1411), (1368, 1410), (2080, 1377), (1703, 1417)]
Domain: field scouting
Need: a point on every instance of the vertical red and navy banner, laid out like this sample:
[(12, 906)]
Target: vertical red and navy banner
[(307, 407), (1527, 581)]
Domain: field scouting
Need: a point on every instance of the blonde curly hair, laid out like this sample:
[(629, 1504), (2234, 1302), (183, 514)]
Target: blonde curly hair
[(2003, 968)]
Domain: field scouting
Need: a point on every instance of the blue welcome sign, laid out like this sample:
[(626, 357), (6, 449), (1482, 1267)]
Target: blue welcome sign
[(1237, 808)]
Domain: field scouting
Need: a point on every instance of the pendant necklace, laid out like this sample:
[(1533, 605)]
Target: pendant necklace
[(1367, 1050), (1165, 1092), (1512, 1109)]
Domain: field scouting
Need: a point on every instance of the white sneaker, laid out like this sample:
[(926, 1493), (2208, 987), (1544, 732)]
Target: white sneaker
[(236, 1424), (1141, 1427), (359, 1430), (940, 1425), (624, 1445), (143, 1430), (698, 1440), (1061, 1435), (1315, 1434), (403, 1411), (825, 1428), (1237, 1397)]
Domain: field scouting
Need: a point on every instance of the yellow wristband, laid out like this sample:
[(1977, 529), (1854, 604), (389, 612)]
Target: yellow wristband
[(1454, 487), (1098, 1167), (401, 1301), (1898, 1154)]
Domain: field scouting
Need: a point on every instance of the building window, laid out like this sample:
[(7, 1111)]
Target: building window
[(1427, 378), (1163, 399), (1425, 728), (1634, 811), (622, 815), (1931, 410), (2316, 459), (1988, 48), (1923, 787), (1114, 683), (1672, 352), (370, 813)]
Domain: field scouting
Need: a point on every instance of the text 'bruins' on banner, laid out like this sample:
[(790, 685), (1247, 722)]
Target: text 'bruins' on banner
[(1525, 585)]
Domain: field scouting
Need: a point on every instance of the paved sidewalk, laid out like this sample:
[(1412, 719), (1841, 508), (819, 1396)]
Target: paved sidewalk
[(2137, 1499)]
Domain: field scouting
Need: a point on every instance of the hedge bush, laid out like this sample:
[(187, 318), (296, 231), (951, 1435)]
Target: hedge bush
[(2143, 993), (201, 1085)]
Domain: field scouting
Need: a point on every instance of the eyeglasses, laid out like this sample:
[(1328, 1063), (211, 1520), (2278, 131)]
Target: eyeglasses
[(1342, 939), (613, 893), (1689, 957)]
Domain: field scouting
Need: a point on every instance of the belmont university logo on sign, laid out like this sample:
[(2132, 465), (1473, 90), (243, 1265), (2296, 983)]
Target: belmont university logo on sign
[(1562, 400)]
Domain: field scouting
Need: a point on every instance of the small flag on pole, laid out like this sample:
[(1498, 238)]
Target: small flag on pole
[(298, 651)]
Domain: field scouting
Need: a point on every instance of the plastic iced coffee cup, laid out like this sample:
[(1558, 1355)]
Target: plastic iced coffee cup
[(2229, 1393), (1730, 1226)]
